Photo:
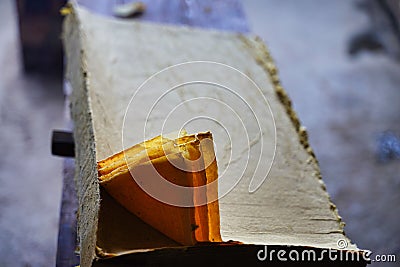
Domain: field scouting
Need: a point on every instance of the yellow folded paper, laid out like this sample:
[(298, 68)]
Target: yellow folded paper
[(187, 162)]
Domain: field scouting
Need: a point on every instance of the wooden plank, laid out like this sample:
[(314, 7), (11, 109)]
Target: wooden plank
[(39, 30), (227, 15), (67, 239), (245, 255)]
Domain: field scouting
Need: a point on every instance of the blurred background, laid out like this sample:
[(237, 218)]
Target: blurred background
[(338, 60)]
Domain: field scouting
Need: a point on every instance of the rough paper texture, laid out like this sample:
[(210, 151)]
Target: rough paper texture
[(109, 59)]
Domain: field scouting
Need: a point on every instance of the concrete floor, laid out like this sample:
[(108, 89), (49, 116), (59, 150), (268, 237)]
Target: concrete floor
[(346, 103), (30, 178)]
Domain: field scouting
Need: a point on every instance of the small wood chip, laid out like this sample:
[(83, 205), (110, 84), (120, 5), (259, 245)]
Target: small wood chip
[(129, 10)]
